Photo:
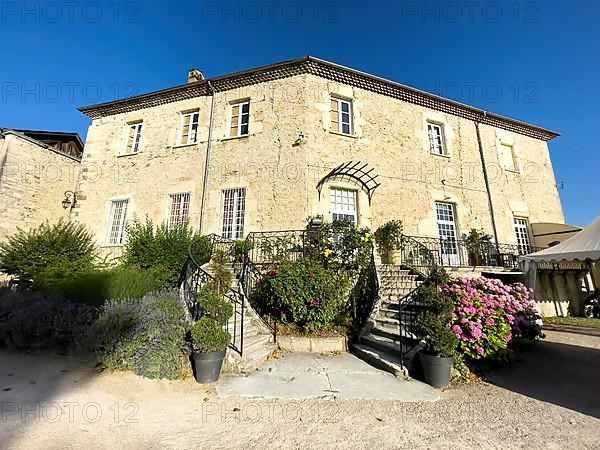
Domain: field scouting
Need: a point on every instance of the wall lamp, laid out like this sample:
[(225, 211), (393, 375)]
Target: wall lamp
[(70, 200)]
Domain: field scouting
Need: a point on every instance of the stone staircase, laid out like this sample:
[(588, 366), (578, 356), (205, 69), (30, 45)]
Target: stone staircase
[(386, 336), (258, 340)]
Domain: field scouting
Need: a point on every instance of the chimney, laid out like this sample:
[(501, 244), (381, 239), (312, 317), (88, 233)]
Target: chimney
[(195, 75)]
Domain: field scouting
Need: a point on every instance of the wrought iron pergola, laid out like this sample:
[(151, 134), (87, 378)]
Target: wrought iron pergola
[(357, 171)]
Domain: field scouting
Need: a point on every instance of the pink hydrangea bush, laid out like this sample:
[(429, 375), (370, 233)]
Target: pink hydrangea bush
[(489, 315)]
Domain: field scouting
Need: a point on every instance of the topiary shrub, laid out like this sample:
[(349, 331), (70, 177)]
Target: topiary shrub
[(146, 335), (208, 334), (96, 286), (48, 253), (163, 249)]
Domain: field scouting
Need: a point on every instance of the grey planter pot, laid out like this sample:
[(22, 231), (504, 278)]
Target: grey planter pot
[(207, 366), (436, 369)]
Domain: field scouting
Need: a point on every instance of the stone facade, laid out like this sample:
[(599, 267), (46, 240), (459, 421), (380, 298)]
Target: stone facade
[(290, 148), (33, 180)]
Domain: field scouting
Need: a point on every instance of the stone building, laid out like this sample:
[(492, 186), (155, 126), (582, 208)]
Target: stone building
[(36, 169), (266, 148)]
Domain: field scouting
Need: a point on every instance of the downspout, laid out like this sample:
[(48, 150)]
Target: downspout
[(487, 182), (208, 149)]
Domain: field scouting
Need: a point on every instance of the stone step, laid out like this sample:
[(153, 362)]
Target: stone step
[(395, 332), (394, 294), (256, 340), (390, 362), (249, 328)]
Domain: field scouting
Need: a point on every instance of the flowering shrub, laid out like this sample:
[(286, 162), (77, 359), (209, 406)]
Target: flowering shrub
[(489, 315), (302, 293), (340, 246)]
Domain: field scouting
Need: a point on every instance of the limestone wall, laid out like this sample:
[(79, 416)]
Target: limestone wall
[(33, 180), (281, 172)]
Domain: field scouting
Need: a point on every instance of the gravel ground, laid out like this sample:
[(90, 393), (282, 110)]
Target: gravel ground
[(547, 400)]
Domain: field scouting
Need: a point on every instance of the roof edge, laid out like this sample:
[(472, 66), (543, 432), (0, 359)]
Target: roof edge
[(201, 88)]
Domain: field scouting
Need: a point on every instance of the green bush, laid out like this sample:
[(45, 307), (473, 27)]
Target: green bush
[(434, 323), (48, 253), (339, 246), (388, 237), (96, 286), (223, 277), (162, 249), (145, 335), (208, 334), (303, 293), (213, 304), (240, 248)]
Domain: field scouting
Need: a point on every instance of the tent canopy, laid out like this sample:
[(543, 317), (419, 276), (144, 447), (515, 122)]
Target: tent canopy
[(581, 247)]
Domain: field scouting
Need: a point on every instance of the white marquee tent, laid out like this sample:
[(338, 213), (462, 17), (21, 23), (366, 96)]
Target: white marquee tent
[(581, 251), (584, 246)]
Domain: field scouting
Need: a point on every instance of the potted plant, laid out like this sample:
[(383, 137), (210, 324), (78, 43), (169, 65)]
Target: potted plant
[(239, 250), (437, 357), (208, 337), (388, 239), (474, 244)]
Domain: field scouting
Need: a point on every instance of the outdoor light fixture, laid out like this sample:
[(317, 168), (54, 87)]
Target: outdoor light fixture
[(70, 200)]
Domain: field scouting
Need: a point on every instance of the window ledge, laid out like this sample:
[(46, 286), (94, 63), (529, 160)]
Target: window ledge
[(185, 145), (112, 245), (337, 133), (231, 138), (443, 155), (123, 155)]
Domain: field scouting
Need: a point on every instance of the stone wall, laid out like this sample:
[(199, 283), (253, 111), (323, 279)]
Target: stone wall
[(280, 171), (33, 180)]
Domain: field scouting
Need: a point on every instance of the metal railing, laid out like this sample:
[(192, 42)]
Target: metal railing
[(418, 257), (195, 277), (251, 279), (460, 253), (271, 247)]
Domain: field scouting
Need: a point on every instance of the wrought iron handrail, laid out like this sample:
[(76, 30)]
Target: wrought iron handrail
[(462, 253), (195, 277), (420, 259), (417, 256), (266, 248), (251, 278)]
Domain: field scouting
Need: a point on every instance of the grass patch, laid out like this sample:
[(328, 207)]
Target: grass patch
[(572, 321)]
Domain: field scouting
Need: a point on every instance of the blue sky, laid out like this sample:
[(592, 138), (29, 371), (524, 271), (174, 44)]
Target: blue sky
[(534, 61)]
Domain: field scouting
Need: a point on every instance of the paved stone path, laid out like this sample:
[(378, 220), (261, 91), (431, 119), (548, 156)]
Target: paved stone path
[(309, 375)]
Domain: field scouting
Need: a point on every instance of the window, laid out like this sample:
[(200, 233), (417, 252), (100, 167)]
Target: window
[(341, 116), (437, 144), (189, 128), (343, 205), (234, 209), (446, 221), (508, 156), (116, 223), (240, 119), (134, 138), (522, 232), (179, 209)]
